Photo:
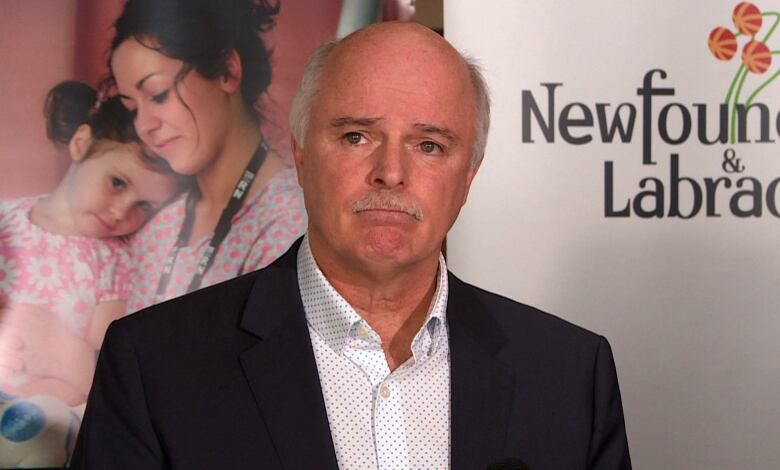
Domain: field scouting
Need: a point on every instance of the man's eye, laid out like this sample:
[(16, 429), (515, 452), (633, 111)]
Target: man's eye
[(430, 147), (353, 138), (117, 183), (160, 97)]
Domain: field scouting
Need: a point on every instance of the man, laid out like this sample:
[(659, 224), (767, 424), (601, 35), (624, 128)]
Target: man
[(357, 349)]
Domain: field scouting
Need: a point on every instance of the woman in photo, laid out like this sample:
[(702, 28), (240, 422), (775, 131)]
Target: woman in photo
[(192, 72)]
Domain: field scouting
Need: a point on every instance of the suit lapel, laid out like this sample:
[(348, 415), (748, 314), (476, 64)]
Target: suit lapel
[(282, 374), (481, 386), (282, 371)]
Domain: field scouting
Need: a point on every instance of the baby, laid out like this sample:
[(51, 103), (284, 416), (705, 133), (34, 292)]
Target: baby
[(63, 262)]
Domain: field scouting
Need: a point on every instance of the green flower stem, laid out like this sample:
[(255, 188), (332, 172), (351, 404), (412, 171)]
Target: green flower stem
[(774, 26), (733, 83), (736, 101), (728, 98), (761, 87), (776, 74), (741, 75)]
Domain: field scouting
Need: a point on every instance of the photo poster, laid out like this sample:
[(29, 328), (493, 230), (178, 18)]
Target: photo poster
[(630, 186), (42, 43)]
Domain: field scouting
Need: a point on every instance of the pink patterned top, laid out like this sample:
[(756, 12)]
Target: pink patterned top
[(263, 229), (65, 274)]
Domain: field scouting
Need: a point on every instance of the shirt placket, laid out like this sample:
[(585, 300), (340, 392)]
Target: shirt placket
[(365, 350)]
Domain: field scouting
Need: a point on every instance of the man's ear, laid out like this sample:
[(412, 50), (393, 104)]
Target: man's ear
[(80, 143), (231, 81), (297, 152)]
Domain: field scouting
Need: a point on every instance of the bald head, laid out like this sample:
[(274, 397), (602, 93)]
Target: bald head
[(392, 47)]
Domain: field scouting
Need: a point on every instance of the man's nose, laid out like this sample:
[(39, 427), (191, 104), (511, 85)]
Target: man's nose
[(390, 168)]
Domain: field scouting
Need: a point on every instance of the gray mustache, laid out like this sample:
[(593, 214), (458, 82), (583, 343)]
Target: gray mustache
[(386, 201)]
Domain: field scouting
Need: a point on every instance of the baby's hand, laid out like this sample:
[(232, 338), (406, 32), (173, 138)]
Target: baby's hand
[(29, 339), (33, 341)]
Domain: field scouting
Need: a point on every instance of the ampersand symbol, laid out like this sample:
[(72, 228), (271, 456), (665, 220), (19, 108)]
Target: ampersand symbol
[(731, 164)]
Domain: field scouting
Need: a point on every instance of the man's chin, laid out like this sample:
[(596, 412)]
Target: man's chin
[(375, 248), (384, 248), (386, 241)]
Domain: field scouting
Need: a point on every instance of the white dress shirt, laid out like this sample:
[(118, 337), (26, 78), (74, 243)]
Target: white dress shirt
[(379, 419)]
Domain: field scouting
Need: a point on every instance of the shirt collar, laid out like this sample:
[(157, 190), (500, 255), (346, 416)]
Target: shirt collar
[(332, 317)]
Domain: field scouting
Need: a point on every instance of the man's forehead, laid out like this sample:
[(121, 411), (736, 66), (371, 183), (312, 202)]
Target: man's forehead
[(394, 46), (391, 33), (366, 79)]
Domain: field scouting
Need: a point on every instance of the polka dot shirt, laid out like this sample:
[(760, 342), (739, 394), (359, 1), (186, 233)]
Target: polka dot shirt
[(379, 419)]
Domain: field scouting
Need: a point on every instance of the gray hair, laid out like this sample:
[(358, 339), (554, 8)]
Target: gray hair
[(309, 87)]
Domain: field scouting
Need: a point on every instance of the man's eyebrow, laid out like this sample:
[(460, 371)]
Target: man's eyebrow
[(442, 131), (353, 121)]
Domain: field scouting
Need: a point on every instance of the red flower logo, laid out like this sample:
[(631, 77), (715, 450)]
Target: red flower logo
[(747, 18), (722, 43), (756, 57)]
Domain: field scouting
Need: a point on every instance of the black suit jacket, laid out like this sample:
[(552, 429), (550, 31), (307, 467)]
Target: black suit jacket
[(225, 377)]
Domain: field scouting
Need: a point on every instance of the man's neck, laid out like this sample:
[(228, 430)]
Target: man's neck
[(395, 306)]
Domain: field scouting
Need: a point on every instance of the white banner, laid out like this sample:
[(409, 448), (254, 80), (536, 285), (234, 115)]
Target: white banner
[(631, 186)]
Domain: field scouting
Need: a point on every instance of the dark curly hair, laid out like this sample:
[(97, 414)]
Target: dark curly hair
[(202, 34), (70, 104)]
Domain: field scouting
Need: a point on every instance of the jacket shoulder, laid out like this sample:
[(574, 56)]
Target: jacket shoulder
[(212, 309), (519, 320), (201, 312)]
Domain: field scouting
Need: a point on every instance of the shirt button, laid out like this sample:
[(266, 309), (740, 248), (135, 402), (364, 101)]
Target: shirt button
[(384, 392), (362, 331)]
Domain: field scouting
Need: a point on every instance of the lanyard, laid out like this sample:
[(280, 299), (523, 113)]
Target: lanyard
[(220, 232)]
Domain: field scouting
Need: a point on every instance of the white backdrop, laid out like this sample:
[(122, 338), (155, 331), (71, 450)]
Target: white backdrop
[(690, 306)]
